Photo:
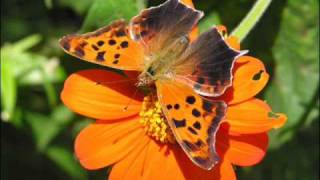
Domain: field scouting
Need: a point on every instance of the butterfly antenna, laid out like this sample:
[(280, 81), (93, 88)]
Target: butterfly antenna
[(131, 99)]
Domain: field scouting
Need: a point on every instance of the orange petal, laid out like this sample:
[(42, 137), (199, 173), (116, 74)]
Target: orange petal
[(102, 144), (242, 150), (101, 94), (195, 31), (251, 117), (188, 2), (130, 167), (233, 42), (249, 78), (151, 162), (155, 159), (169, 162), (222, 171)]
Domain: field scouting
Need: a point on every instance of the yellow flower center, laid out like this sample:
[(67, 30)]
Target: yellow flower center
[(153, 120)]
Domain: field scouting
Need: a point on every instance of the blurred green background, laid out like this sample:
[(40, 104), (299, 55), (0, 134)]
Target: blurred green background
[(37, 131)]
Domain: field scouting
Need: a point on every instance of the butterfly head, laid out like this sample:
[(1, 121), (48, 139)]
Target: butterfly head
[(146, 78)]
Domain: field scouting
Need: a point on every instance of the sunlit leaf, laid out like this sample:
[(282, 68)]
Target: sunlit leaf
[(102, 12), (296, 52), (8, 90), (80, 6)]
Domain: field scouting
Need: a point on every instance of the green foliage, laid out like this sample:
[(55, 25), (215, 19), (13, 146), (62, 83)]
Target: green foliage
[(39, 130), (102, 12), (22, 67), (209, 20), (45, 128), (295, 85), (65, 160)]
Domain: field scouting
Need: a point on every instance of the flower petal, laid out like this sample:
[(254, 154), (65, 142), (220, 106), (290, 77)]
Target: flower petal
[(151, 162), (233, 42), (101, 94), (188, 3), (242, 150), (252, 117), (130, 167), (102, 144), (169, 162), (249, 78), (222, 171)]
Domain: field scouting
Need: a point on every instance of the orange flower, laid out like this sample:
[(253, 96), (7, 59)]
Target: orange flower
[(119, 138)]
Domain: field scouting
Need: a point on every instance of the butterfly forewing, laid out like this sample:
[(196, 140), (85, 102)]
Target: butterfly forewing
[(109, 46), (193, 120), (157, 27)]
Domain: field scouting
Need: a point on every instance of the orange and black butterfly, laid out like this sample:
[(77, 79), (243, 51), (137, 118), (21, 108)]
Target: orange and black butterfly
[(156, 43)]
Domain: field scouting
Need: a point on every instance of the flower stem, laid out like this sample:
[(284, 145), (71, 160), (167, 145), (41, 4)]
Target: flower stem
[(251, 19)]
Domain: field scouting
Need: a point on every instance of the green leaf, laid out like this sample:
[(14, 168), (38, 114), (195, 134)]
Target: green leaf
[(12, 64), (66, 161), (209, 21), (62, 115), (44, 128), (27, 43), (296, 73), (102, 12), (80, 6), (8, 90), (20, 66)]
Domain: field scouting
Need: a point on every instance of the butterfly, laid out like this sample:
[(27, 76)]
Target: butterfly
[(184, 72)]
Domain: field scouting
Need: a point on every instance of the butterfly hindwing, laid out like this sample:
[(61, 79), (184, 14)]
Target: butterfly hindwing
[(109, 46), (193, 120), (157, 27), (207, 64)]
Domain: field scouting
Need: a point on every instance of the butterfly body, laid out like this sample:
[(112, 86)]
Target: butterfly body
[(156, 43), (159, 65)]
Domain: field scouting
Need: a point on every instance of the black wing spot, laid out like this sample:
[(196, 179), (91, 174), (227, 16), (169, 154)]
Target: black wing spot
[(112, 42), (196, 113), (200, 143), (179, 123), (117, 56), (176, 106), (201, 80), (190, 99), (197, 125), (120, 33), (94, 47), (100, 43), (124, 44), (83, 44), (190, 129), (100, 56), (207, 106), (169, 106), (115, 62), (79, 52)]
